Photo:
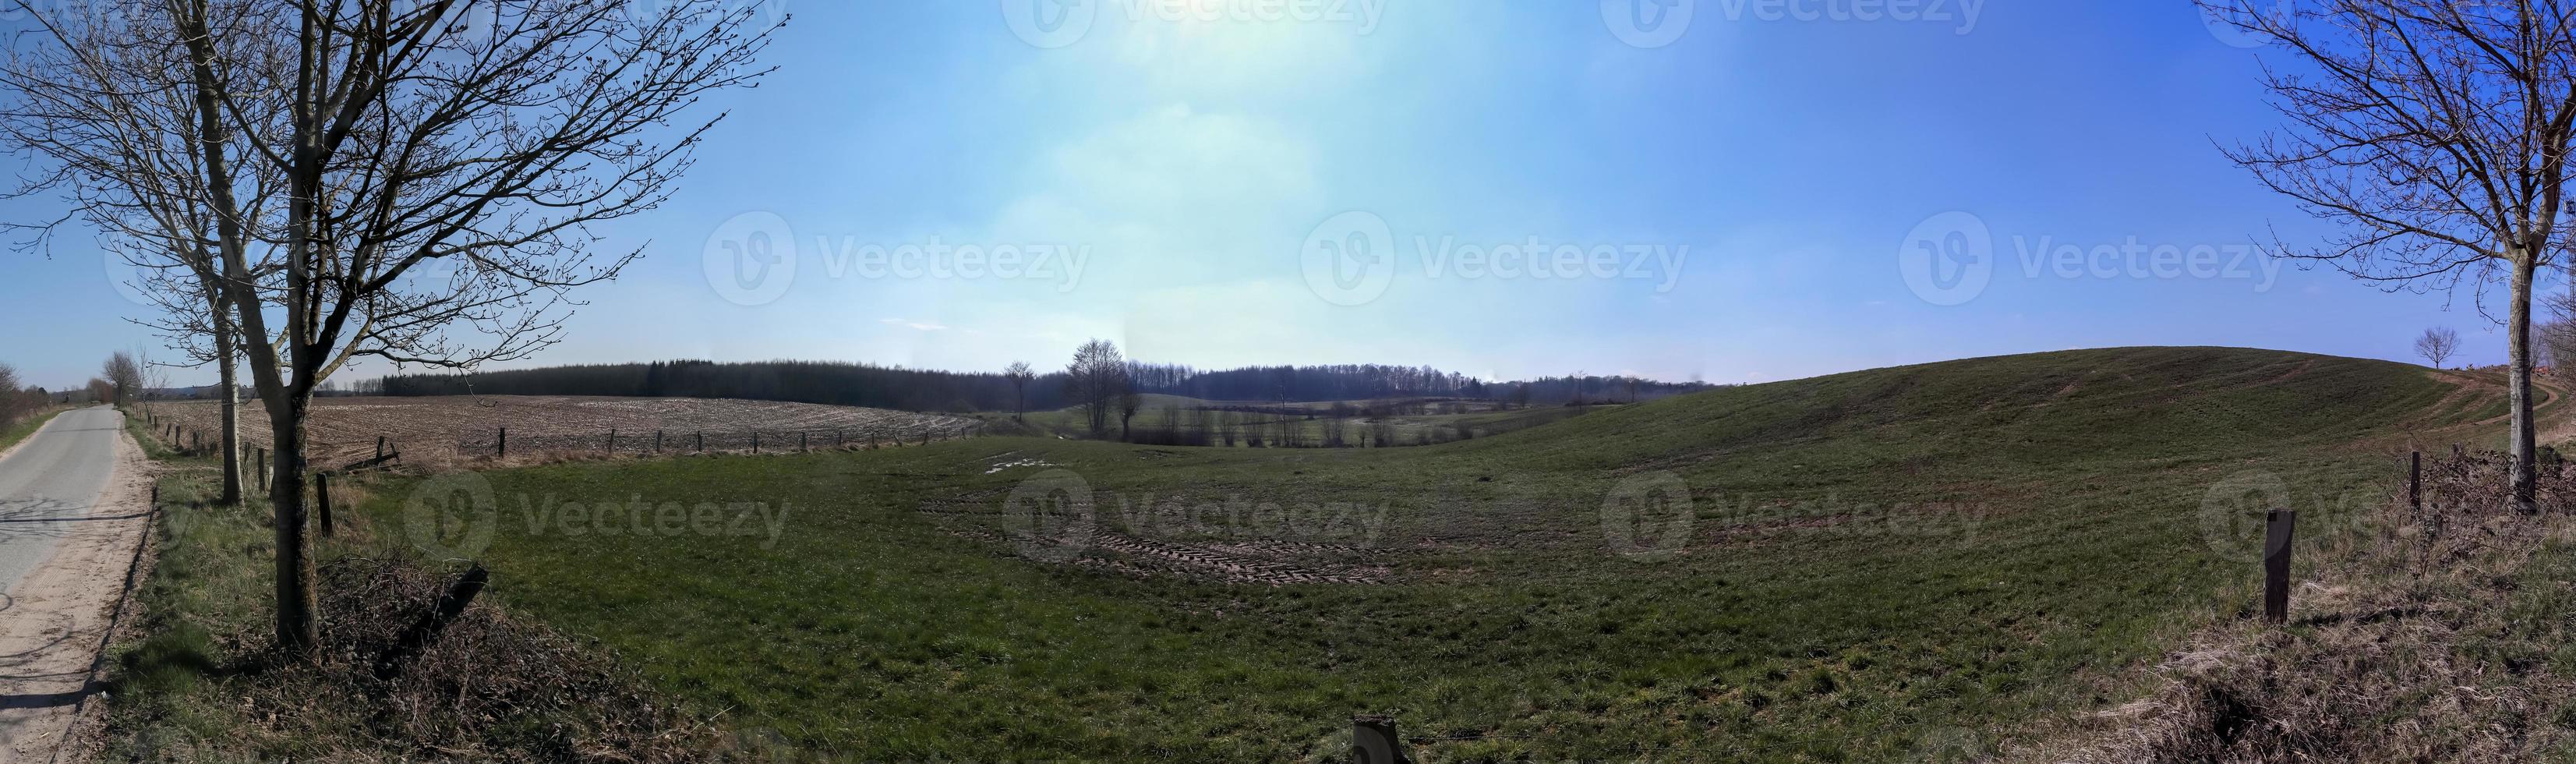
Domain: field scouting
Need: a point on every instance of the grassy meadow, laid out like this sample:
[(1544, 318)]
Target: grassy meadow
[(1866, 567)]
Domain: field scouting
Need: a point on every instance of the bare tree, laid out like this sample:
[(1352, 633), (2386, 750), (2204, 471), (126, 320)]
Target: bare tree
[(1019, 374), (2437, 134), (108, 102), (1093, 380), (1129, 401), (2437, 345), (124, 374), (438, 165), (15, 403), (2556, 338)]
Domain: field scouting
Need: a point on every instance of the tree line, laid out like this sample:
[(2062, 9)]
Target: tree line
[(18, 401), (895, 387)]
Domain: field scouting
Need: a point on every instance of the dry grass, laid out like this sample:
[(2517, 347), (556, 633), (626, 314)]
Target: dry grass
[(2440, 636), (437, 433)]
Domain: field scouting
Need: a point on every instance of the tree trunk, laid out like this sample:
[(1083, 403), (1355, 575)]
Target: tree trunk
[(228, 374), (297, 629), (2523, 431)]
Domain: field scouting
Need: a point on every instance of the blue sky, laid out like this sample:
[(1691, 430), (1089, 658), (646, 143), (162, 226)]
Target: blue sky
[(1753, 181)]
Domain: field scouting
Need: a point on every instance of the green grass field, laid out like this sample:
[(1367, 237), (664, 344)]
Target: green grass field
[(1873, 563), (1436, 422)]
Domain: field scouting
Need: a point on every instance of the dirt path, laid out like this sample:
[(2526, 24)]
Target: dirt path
[(53, 619)]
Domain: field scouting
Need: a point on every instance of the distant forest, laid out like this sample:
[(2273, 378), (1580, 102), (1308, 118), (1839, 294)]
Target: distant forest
[(891, 387)]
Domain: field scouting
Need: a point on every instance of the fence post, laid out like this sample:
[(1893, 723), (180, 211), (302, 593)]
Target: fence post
[(504, 443), (612, 441), (2415, 483), (702, 441), (2278, 525), (322, 499), (263, 469), (1373, 741), (755, 441), (801, 441), (657, 441)]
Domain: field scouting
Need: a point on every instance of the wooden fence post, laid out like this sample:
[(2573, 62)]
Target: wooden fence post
[(504, 443), (2415, 483), (801, 441), (1373, 741), (263, 469), (755, 441), (322, 499), (702, 441), (657, 441), (2278, 525), (380, 446), (612, 441)]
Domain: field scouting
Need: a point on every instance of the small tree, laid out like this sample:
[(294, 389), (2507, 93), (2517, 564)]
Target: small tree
[(1129, 402), (2557, 338), (124, 376), (1019, 374), (2437, 345), (14, 403), (2437, 133), (1093, 380), (440, 168)]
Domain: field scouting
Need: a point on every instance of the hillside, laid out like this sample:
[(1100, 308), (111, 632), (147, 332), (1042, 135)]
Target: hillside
[(2016, 413), (1864, 567)]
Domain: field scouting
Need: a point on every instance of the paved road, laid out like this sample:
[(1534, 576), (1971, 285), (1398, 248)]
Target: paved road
[(55, 476)]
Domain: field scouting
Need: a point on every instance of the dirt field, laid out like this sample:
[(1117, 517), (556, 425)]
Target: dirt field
[(440, 431)]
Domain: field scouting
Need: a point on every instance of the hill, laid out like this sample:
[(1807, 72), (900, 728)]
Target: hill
[(1865, 566)]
